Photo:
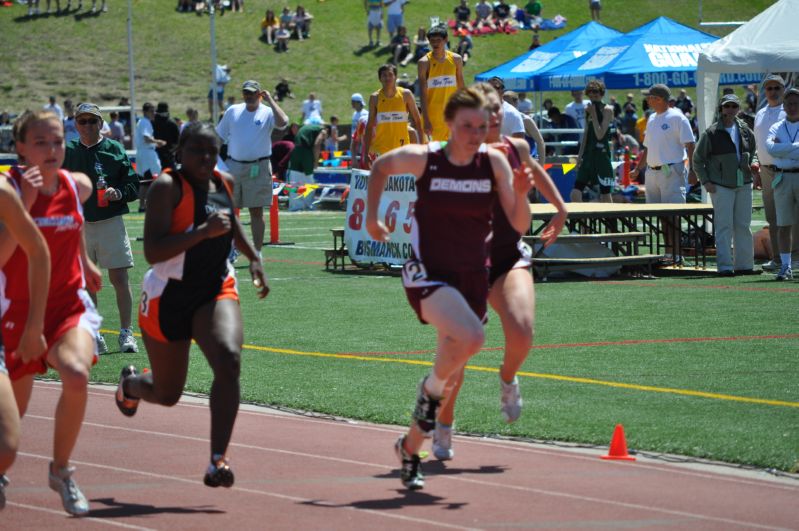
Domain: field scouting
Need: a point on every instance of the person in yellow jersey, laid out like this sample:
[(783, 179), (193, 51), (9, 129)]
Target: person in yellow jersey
[(389, 109), (440, 75)]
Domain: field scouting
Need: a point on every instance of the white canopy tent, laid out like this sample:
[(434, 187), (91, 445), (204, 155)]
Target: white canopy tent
[(767, 43)]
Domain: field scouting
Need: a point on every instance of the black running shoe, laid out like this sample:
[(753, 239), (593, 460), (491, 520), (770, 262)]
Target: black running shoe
[(410, 466), (126, 405), (219, 474), (426, 408)]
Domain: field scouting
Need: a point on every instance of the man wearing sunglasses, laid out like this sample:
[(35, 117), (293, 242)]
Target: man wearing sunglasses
[(107, 242), (771, 113), (723, 160)]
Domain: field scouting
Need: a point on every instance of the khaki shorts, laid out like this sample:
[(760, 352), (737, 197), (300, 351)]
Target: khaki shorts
[(107, 243), (249, 191), (786, 199), (666, 185)]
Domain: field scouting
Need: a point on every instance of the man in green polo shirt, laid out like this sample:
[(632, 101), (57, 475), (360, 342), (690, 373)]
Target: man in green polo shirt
[(304, 158), (107, 243)]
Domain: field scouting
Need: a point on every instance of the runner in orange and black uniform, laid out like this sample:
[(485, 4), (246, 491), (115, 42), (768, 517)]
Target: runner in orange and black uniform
[(190, 291)]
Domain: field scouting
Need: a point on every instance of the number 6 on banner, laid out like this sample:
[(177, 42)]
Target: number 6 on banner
[(391, 215)]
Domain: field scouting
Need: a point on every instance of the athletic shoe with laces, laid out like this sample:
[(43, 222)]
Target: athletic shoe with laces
[(771, 265), (3, 485), (410, 466), (74, 501), (425, 411), (219, 474), (127, 343), (785, 273), (126, 404), (511, 400), (442, 442), (102, 347)]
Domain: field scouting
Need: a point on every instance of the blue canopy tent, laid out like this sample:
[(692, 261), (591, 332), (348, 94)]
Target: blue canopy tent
[(519, 73), (661, 51)]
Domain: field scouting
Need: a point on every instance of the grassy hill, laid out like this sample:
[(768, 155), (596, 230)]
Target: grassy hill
[(84, 57)]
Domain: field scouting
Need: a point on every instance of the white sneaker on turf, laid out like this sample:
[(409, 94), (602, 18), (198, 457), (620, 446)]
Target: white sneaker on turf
[(771, 265), (127, 343), (102, 347), (3, 484), (442, 442), (74, 501), (511, 400)]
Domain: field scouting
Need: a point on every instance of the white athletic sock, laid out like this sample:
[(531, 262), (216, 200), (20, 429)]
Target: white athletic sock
[(434, 385), (785, 258)]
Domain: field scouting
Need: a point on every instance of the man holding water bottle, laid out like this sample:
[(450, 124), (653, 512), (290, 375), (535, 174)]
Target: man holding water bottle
[(115, 185)]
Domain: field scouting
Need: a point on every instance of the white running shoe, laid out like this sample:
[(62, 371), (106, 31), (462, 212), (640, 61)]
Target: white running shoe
[(771, 265), (102, 347), (127, 343), (74, 501), (442, 442), (511, 400)]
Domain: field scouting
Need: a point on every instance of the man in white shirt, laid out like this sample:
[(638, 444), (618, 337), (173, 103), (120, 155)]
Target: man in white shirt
[(772, 113), (222, 78), (247, 130), (525, 105), (55, 108), (668, 137), (782, 144), (512, 121), (395, 15), (312, 110), (576, 109)]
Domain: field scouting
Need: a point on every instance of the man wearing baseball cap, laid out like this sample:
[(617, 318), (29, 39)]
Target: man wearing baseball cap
[(723, 160), (246, 128), (359, 118), (771, 113), (107, 242), (668, 143), (782, 142)]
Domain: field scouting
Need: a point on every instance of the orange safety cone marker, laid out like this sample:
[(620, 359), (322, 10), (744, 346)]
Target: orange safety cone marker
[(618, 446), (274, 217), (625, 180)]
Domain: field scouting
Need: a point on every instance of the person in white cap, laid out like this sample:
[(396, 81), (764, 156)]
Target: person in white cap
[(359, 118), (771, 113)]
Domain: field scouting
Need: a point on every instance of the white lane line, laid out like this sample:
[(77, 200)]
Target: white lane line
[(82, 519), (530, 490), (284, 497)]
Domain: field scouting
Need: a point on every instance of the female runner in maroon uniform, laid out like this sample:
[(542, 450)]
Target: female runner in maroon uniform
[(19, 227), (447, 280), (511, 294), (190, 291), (54, 197)]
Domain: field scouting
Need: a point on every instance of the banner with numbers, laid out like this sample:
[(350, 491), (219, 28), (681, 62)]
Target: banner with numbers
[(396, 211)]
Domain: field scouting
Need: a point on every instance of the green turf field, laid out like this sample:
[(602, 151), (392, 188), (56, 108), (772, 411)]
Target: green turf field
[(693, 366)]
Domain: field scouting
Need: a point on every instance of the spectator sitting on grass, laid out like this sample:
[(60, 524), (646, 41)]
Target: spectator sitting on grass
[(484, 16), (463, 16), (502, 15), (269, 26), (464, 48), (532, 13), (282, 35), (302, 23), (287, 19), (283, 91), (400, 46), (421, 47)]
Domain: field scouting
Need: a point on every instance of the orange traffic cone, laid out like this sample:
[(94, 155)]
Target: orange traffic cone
[(618, 446)]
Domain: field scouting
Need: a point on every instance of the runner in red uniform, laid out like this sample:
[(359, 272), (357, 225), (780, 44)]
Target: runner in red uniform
[(53, 197), (511, 294), (190, 291), (447, 279), (20, 228)]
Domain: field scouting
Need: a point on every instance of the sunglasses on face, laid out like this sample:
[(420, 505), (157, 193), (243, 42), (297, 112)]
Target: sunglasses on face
[(773, 87), (87, 121), (730, 105)]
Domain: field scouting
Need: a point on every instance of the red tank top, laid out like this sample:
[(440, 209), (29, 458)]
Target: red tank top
[(452, 219), (60, 220)]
